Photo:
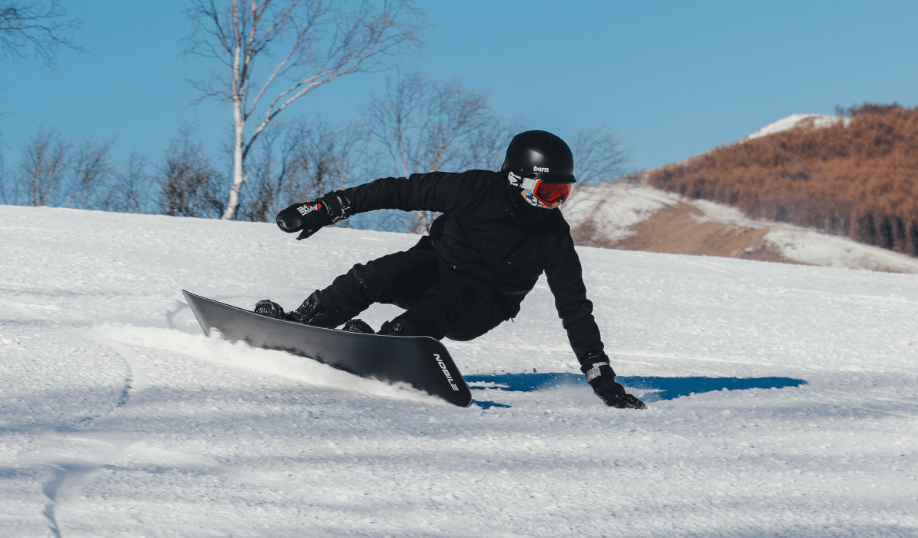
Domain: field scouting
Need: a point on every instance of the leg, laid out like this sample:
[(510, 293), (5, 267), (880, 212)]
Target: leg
[(398, 279), (460, 308)]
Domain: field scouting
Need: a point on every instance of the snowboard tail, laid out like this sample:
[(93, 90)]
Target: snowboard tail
[(420, 361)]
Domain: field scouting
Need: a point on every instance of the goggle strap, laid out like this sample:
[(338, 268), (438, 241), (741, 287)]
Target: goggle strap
[(528, 183)]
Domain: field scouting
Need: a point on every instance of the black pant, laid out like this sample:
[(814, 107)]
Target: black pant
[(439, 301)]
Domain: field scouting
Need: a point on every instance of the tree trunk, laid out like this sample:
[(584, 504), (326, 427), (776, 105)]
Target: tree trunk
[(239, 117), (238, 169)]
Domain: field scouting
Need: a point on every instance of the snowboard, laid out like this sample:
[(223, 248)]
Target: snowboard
[(420, 361)]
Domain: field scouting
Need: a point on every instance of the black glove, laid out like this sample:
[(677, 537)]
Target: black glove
[(601, 377), (309, 217)]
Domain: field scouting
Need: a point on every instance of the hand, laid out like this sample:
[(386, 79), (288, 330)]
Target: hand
[(601, 377), (309, 217)]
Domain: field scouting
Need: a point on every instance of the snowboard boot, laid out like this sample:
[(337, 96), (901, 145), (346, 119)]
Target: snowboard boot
[(270, 309), (313, 312), (396, 327), (358, 326)]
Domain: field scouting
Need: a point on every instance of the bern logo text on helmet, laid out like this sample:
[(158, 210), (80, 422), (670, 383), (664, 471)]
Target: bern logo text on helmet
[(539, 169)]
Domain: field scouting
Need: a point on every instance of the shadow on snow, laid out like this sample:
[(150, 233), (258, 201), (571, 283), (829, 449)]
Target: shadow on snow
[(664, 388)]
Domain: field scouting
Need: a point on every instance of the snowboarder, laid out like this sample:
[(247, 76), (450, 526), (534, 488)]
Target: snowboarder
[(497, 233)]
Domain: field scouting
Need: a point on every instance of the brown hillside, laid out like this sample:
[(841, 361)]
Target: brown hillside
[(678, 230), (860, 181)]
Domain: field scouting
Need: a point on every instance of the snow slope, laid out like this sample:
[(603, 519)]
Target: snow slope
[(616, 208), (781, 398), (798, 120)]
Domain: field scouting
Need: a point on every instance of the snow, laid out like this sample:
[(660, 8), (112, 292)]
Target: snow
[(615, 208), (781, 398), (789, 122), (810, 247)]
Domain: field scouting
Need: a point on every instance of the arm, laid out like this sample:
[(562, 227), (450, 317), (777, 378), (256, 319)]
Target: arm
[(434, 191), (565, 279)]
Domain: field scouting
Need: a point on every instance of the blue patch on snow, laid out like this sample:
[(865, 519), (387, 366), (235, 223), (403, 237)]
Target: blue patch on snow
[(488, 405), (667, 388)]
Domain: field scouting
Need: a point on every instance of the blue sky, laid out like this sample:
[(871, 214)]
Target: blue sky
[(674, 78)]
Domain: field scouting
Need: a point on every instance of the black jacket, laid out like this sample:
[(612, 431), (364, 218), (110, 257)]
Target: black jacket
[(488, 231)]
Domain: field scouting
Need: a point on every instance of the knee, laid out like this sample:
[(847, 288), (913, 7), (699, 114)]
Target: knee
[(372, 275)]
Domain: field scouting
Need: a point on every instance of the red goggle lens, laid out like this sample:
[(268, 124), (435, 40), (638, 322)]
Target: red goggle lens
[(552, 193)]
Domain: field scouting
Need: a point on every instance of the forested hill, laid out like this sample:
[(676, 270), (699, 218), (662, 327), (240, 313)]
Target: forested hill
[(857, 178)]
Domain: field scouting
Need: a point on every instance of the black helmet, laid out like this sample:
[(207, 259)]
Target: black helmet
[(540, 154)]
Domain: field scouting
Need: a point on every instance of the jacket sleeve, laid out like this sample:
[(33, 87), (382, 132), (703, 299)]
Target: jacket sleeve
[(434, 191), (565, 279)]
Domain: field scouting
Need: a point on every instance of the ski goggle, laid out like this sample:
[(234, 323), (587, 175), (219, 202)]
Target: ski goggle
[(549, 194)]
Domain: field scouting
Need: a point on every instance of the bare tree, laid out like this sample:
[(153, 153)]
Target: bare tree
[(189, 185), (35, 28), (269, 169), (426, 125), (132, 188), (91, 173), (5, 197), (43, 168), (601, 155), (298, 162), (318, 43), (54, 171)]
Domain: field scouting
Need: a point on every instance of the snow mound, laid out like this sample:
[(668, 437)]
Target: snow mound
[(798, 120), (614, 208), (611, 214)]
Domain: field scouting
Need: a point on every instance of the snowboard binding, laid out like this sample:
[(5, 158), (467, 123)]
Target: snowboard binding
[(269, 308), (311, 312), (358, 326)]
